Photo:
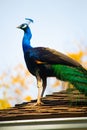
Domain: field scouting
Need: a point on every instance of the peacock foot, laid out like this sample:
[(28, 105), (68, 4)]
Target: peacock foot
[(38, 104)]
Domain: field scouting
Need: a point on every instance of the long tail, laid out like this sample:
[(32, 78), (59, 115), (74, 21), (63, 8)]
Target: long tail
[(76, 76)]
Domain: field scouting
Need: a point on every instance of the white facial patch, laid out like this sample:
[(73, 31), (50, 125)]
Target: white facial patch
[(24, 26)]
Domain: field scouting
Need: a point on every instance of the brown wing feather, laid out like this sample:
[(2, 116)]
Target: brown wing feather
[(51, 56)]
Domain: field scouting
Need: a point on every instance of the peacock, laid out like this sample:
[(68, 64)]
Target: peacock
[(44, 62)]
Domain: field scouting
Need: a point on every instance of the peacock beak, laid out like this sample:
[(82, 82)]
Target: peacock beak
[(18, 27)]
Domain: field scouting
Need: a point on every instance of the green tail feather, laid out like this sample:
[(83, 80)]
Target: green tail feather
[(76, 76)]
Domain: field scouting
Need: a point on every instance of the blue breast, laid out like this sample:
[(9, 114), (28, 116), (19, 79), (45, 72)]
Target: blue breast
[(26, 40)]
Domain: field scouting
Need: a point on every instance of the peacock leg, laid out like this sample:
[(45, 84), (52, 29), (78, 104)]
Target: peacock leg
[(40, 90), (44, 86)]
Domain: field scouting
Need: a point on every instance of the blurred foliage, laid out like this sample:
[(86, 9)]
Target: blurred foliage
[(14, 83), (4, 104), (77, 56), (27, 98)]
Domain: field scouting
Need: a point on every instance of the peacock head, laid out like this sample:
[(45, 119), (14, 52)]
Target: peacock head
[(23, 26)]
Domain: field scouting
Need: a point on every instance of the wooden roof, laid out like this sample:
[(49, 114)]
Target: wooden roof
[(58, 105)]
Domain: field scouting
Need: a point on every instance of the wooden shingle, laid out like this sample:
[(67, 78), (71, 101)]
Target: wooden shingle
[(57, 105)]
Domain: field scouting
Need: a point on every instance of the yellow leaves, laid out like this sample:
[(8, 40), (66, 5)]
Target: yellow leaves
[(77, 56), (56, 84), (18, 91), (22, 70), (4, 104), (19, 67), (15, 79), (27, 98), (18, 79), (14, 85)]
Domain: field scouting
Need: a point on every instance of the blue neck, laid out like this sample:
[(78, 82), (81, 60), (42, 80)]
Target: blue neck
[(26, 39)]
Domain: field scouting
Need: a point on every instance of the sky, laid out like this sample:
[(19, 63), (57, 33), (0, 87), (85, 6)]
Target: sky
[(58, 24)]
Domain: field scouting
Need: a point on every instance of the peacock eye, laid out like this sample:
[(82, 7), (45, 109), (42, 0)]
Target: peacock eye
[(24, 26)]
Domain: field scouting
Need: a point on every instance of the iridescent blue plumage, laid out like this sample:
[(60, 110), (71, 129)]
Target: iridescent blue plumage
[(45, 62), (26, 39)]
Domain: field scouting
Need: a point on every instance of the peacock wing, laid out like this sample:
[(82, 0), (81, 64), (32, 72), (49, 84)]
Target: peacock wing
[(51, 56)]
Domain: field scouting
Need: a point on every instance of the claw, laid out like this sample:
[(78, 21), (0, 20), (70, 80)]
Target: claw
[(38, 104)]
